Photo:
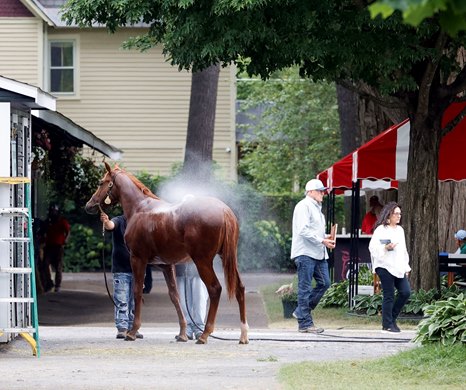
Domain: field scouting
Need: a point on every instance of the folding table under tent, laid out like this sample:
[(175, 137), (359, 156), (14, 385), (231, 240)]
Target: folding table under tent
[(384, 160)]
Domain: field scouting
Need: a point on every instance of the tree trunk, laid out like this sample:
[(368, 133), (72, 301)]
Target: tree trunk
[(361, 119), (348, 107), (452, 214), (420, 206), (201, 123)]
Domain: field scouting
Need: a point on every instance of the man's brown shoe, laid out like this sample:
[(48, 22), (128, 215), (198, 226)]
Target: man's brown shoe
[(312, 329)]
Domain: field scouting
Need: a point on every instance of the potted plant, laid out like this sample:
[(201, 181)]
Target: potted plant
[(289, 298)]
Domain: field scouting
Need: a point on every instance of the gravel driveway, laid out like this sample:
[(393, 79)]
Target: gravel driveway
[(79, 350)]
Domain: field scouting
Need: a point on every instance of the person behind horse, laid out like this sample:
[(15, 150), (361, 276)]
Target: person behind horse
[(56, 236), (309, 251), (193, 298), (122, 276), (148, 281), (370, 219)]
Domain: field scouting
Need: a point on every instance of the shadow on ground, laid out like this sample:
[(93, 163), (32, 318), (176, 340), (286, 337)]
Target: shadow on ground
[(83, 300)]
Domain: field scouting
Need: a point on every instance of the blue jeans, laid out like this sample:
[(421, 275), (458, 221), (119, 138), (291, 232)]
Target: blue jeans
[(391, 308), (308, 297), (124, 300)]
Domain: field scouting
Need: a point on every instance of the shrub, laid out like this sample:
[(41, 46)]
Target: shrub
[(446, 322), (83, 251), (368, 304), (336, 295), (416, 304), (418, 300), (263, 246)]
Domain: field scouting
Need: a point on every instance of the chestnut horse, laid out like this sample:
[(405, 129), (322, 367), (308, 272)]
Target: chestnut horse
[(159, 232)]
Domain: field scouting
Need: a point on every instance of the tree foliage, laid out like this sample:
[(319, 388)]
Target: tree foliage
[(451, 13), (414, 70), (296, 135), (328, 39)]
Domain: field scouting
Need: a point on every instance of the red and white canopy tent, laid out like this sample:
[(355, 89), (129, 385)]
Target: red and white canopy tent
[(383, 161), (385, 157)]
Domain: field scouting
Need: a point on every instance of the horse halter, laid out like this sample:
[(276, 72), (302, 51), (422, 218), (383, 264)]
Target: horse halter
[(108, 200)]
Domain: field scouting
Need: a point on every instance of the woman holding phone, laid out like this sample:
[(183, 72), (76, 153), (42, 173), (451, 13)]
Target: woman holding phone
[(390, 261)]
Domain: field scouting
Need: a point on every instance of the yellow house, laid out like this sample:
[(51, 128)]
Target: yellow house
[(135, 101)]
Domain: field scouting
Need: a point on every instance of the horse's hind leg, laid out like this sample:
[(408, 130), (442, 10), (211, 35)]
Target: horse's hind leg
[(214, 288), (169, 275), (240, 297), (139, 268)]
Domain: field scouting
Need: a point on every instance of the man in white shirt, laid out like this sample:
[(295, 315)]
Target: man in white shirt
[(309, 252)]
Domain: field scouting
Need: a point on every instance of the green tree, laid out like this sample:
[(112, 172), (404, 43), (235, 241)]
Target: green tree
[(296, 135), (450, 13), (408, 71)]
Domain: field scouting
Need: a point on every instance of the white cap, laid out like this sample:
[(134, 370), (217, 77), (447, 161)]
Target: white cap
[(315, 185), (460, 235)]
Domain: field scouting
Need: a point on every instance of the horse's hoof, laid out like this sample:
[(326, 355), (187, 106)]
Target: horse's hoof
[(130, 337), (181, 339), (244, 341), (201, 341)]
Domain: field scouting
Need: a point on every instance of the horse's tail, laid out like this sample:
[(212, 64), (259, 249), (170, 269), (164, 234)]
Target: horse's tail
[(229, 252)]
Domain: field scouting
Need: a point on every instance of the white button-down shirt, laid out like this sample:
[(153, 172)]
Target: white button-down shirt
[(395, 261), (308, 230)]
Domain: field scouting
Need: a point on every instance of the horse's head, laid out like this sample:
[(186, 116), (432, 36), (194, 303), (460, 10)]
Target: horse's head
[(107, 193)]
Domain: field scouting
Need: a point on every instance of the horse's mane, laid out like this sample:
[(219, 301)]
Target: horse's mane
[(146, 191)]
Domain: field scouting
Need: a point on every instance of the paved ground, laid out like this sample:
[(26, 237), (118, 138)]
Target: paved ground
[(79, 349), (83, 300)]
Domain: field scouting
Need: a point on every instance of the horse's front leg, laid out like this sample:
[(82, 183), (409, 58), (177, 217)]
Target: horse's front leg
[(139, 268), (170, 279)]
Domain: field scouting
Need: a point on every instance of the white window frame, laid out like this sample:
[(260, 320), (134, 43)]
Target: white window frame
[(74, 39)]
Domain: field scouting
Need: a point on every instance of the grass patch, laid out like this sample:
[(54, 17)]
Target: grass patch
[(426, 367)]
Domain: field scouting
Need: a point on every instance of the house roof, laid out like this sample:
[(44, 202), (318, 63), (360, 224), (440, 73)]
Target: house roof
[(56, 121), (25, 95), (43, 106), (49, 11), (36, 8)]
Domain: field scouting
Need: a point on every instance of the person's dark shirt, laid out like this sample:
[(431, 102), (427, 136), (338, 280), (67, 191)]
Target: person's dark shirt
[(120, 253)]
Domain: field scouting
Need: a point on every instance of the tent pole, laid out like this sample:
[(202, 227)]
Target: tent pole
[(330, 221), (354, 244)]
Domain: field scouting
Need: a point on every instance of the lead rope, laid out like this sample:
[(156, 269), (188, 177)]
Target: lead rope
[(103, 262)]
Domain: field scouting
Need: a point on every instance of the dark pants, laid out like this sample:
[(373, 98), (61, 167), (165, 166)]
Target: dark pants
[(53, 256), (147, 280), (391, 308)]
